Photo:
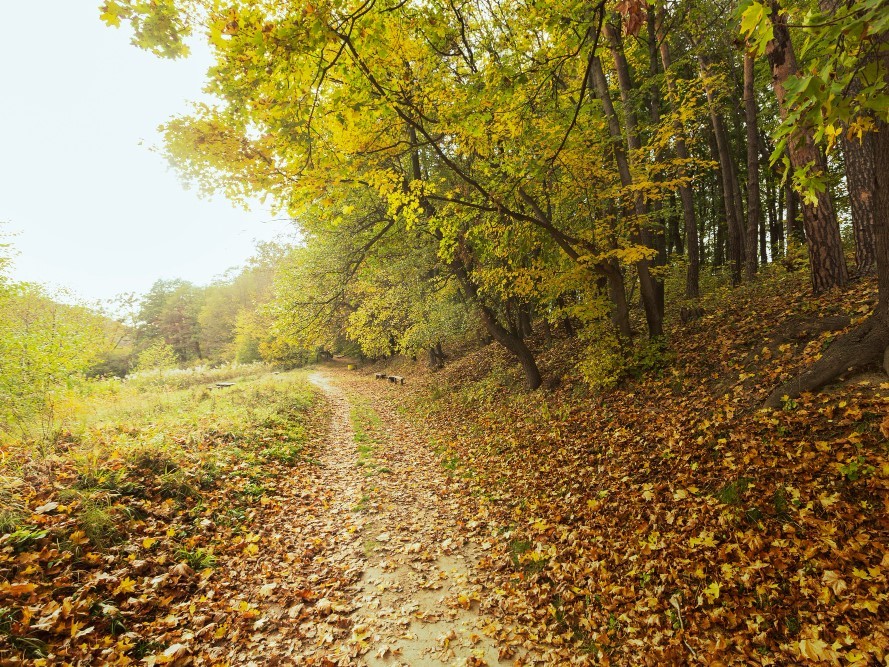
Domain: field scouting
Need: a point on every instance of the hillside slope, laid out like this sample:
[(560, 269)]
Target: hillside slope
[(671, 520)]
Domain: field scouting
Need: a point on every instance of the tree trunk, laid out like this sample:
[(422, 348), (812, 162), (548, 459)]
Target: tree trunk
[(647, 287), (828, 265), (869, 342), (754, 213), (547, 332), (763, 251), (724, 156), (524, 320), (692, 277), (497, 331), (618, 294), (795, 231), (859, 161)]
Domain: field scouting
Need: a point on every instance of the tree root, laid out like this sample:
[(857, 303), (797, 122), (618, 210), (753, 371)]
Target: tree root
[(864, 345)]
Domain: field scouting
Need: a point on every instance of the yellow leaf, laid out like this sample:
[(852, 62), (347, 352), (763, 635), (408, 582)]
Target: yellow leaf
[(817, 650), (834, 581), (705, 539), (148, 542), (78, 538), (712, 592), (126, 586), (871, 605), (17, 589)]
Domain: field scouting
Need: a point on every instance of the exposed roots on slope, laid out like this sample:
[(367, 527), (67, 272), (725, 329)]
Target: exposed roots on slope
[(863, 346)]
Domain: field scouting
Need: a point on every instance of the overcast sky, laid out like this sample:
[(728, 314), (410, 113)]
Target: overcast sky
[(95, 211)]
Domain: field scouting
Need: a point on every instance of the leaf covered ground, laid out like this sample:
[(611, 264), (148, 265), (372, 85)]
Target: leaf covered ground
[(154, 535), (272, 522), (672, 521), (459, 520)]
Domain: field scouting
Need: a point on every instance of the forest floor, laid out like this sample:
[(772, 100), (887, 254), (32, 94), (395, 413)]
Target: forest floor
[(326, 518), (268, 522)]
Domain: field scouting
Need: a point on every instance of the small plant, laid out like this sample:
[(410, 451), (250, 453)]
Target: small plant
[(283, 452), (8, 617), (209, 472), (793, 625), (154, 459), (10, 520), (673, 617), (25, 536), (733, 492), (361, 505), (97, 524), (197, 559), (516, 548), (145, 647), (856, 469), (105, 479), (177, 486), (788, 404), (253, 490), (781, 503), (451, 463)]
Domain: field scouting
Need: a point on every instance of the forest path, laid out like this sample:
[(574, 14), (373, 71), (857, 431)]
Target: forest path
[(416, 601)]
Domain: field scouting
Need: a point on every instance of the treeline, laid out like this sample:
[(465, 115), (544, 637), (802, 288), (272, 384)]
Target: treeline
[(53, 346), (511, 166), (177, 323)]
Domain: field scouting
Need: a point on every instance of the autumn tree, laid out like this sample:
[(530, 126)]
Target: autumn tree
[(845, 90)]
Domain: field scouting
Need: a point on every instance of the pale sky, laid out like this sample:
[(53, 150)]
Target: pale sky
[(95, 211)]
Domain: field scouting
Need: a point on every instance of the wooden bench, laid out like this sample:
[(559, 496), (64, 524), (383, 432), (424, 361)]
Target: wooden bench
[(222, 385), (381, 376), (397, 379)]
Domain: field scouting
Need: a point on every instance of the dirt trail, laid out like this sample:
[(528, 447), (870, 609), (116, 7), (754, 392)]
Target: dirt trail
[(416, 601)]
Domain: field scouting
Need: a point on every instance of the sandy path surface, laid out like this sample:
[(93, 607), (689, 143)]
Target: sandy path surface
[(416, 598)]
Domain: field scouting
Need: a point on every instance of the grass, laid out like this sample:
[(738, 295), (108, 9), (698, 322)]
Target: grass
[(197, 559), (362, 504), (99, 524), (130, 440), (366, 430), (158, 473)]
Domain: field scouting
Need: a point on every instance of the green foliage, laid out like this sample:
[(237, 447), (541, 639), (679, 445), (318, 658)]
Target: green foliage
[(840, 45), (24, 537), (45, 348), (856, 468), (733, 492), (156, 357), (197, 559), (98, 523)]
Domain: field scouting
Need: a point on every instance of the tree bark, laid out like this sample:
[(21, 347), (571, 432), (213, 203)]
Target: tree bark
[(869, 342), (795, 231), (693, 274), (497, 331), (754, 212), (859, 159), (828, 265), (724, 155), (653, 316)]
